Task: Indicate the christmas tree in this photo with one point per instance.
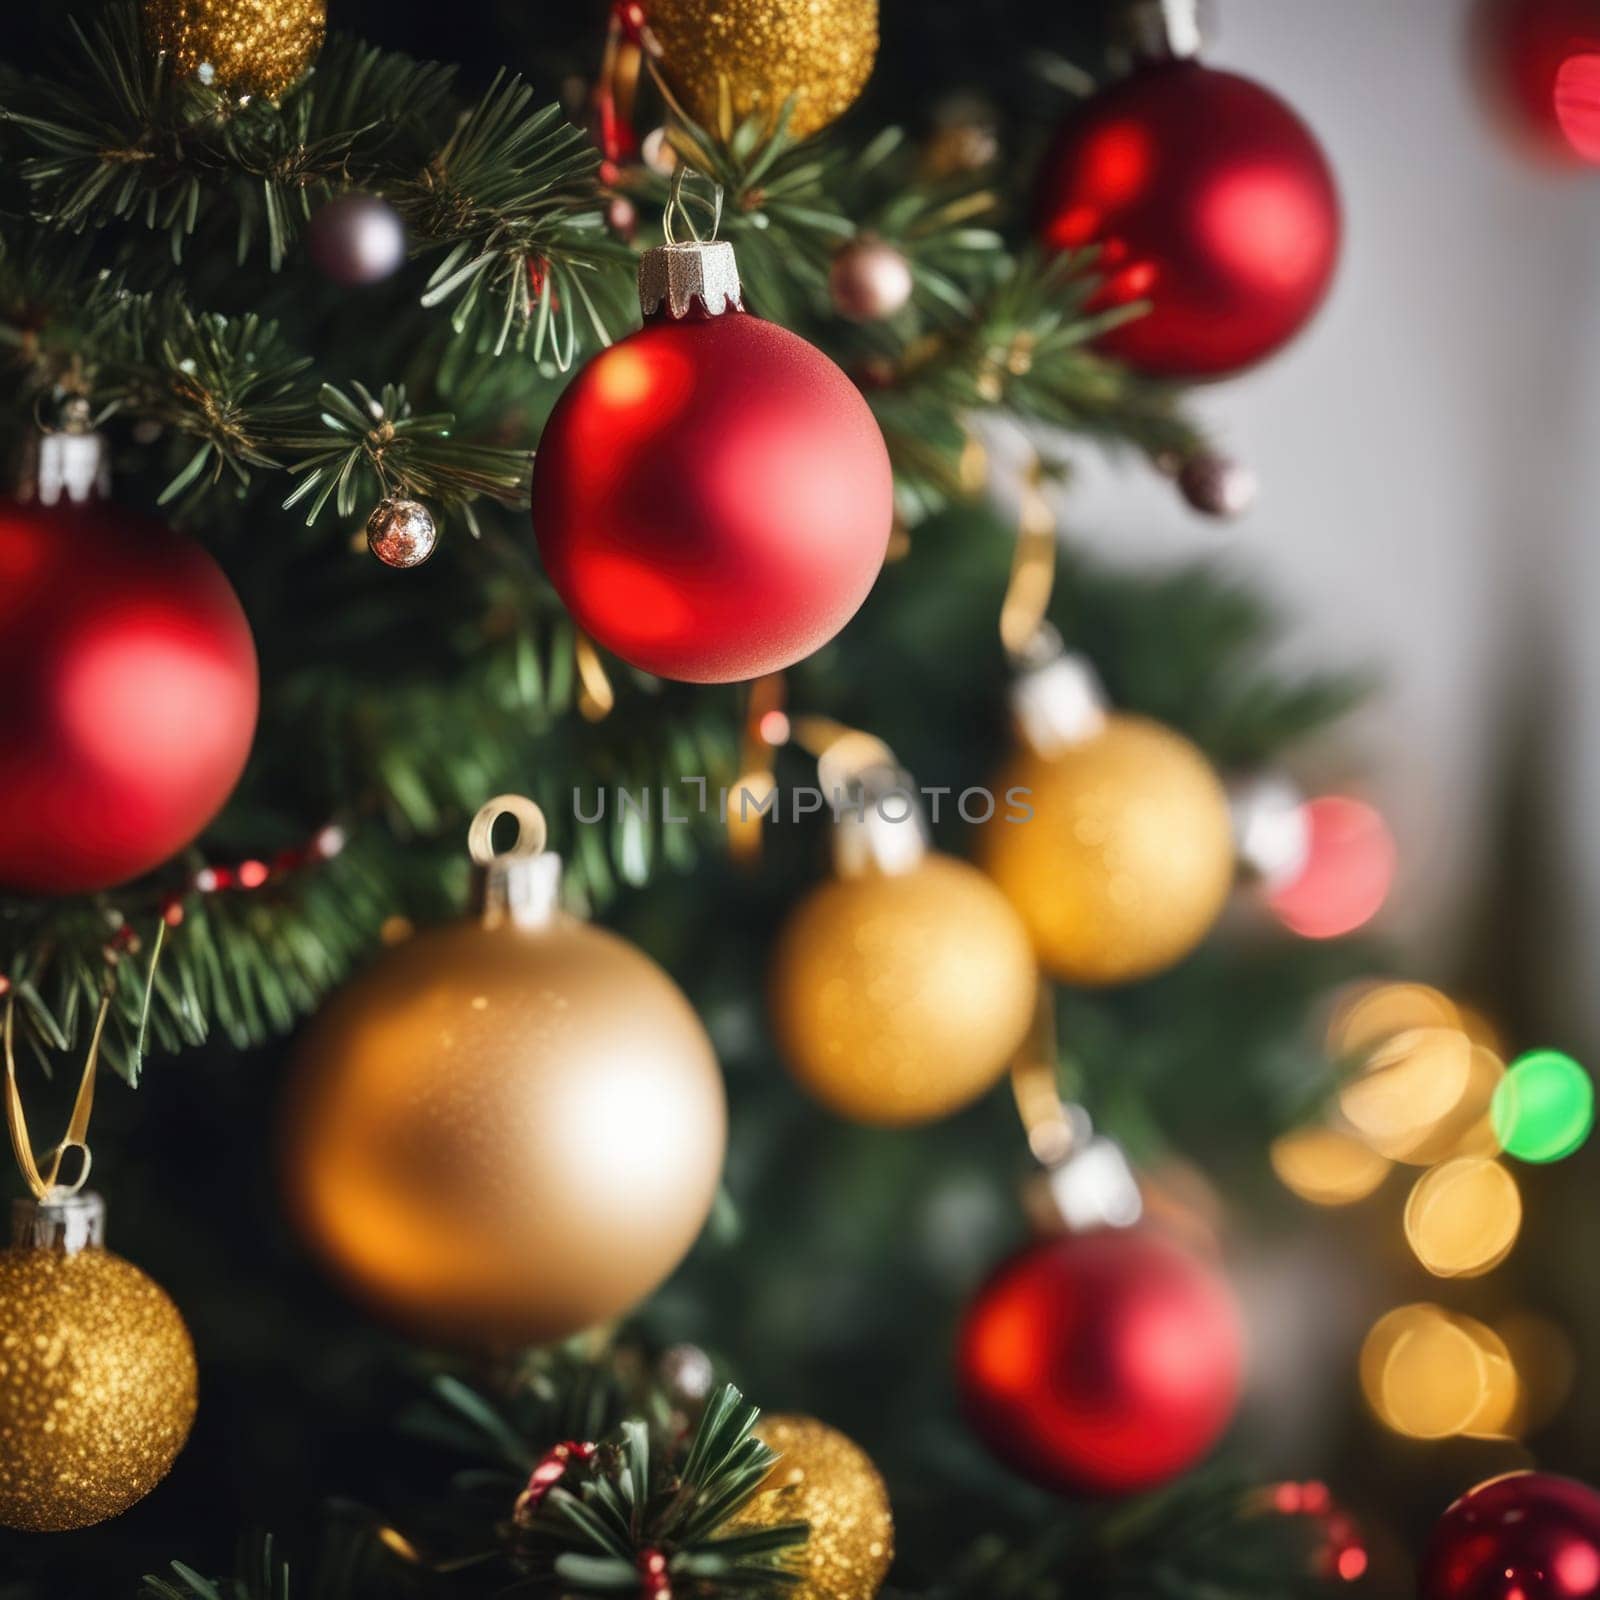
(540, 997)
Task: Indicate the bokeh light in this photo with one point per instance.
(1463, 1216)
(1430, 1374)
(1544, 1107)
(1350, 866)
(1407, 1087)
(1366, 1014)
(1327, 1166)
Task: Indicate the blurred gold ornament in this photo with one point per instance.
(1128, 857)
(728, 62)
(243, 47)
(509, 1128)
(824, 1479)
(900, 996)
(97, 1376)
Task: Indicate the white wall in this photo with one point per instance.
(1425, 449)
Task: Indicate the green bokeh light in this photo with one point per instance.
(1544, 1107)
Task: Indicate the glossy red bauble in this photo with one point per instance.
(1102, 1363)
(712, 498)
(1540, 62)
(1209, 199)
(128, 695)
(1526, 1536)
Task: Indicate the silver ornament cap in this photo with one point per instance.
(1160, 30)
(697, 276)
(62, 1220)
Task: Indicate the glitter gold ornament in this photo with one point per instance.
(728, 62)
(97, 1372)
(243, 47)
(511, 1127)
(902, 986)
(1128, 857)
(824, 1479)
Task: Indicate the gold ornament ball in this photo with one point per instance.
(504, 1133)
(97, 1387)
(243, 47)
(899, 997)
(759, 53)
(825, 1479)
(1128, 857)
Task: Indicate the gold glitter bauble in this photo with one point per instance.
(97, 1387)
(507, 1133)
(1128, 857)
(901, 996)
(243, 47)
(752, 55)
(822, 1478)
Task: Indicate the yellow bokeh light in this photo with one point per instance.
(1327, 1166)
(1408, 1087)
(1431, 1375)
(1462, 1217)
(1371, 1013)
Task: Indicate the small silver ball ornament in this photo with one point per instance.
(401, 532)
(357, 239)
(869, 280)
(1217, 485)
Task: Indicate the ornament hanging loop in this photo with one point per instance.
(45, 1180)
(520, 886)
(677, 213)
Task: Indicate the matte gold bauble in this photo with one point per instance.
(506, 1132)
(753, 55)
(824, 1479)
(1128, 857)
(97, 1387)
(244, 47)
(901, 996)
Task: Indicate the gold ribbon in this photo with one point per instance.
(1035, 1088)
(76, 1137)
(757, 757)
(1033, 566)
(596, 697)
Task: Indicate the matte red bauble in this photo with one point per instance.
(1209, 199)
(711, 496)
(129, 698)
(1540, 62)
(1102, 1363)
(1526, 1536)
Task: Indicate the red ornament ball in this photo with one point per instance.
(1524, 1536)
(1102, 1363)
(1208, 198)
(1539, 60)
(712, 498)
(130, 695)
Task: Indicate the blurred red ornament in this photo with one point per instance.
(1524, 1536)
(129, 695)
(1349, 870)
(711, 496)
(1102, 1363)
(1209, 198)
(1540, 62)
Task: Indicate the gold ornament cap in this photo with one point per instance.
(689, 277)
(61, 1221)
